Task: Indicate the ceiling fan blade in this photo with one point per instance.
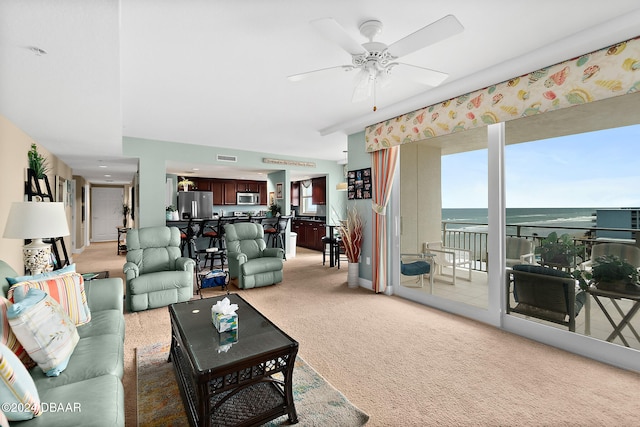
(422, 75)
(432, 33)
(333, 31)
(321, 72)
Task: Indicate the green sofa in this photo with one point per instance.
(90, 389)
(156, 272)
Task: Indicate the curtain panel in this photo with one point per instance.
(608, 72)
(383, 168)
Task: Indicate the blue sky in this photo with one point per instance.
(595, 169)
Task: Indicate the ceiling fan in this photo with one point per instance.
(375, 60)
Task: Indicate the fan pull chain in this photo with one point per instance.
(374, 95)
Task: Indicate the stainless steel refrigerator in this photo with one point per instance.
(195, 204)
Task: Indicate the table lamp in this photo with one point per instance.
(35, 221)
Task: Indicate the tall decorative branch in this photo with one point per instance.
(351, 233)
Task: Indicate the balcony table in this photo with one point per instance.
(626, 317)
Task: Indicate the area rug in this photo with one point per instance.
(317, 402)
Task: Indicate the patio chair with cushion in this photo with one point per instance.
(417, 265)
(544, 293)
(625, 252)
(444, 256)
(519, 251)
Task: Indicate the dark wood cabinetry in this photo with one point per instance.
(230, 191)
(310, 233)
(262, 189)
(247, 186)
(318, 190)
(225, 190)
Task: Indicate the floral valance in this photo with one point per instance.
(606, 73)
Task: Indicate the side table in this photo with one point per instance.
(122, 244)
(614, 296)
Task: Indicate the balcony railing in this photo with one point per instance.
(476, 240)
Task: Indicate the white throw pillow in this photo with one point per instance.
(45, 331)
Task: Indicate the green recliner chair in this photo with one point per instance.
(156, 272)
(249, 260)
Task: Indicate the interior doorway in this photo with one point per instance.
(106, 213)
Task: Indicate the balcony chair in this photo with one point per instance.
(249, 259)
(416, 265)
(156, 273)
(545, 293)
(519, 251)
(625, 252)
(444, 256)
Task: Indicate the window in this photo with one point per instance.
(308, 208)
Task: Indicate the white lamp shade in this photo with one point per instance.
(36, 220)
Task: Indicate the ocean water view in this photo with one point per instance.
(536, 219)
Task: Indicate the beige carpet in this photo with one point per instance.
(406, 364)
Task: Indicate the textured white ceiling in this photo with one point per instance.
(214, 72)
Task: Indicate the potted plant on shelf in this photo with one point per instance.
(185, 183)
(37, 162)
(559, 251)
(172, 213)
(275, 210)
(351, 234)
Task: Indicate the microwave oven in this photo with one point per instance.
(248, 199)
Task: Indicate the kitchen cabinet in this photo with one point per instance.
(225, 190)
(262, 189)
(218, 192)
(309, 232)
(247, 186)
(318, 190)
(202, 184)
(229, 192)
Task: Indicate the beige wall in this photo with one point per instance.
(14, 146)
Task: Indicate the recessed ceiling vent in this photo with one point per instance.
(224, 158)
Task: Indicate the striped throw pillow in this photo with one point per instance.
(8, 338)
(17, 388)
(67, 289)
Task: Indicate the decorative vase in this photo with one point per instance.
(353, 269)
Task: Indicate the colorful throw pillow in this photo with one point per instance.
(17, 390)
(46, 275)
(67, 289)
(8, 338)
(45, 331)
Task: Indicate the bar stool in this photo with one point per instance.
(333, 244)
(283, 223)
(270, 227)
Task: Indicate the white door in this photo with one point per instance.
(106, 213)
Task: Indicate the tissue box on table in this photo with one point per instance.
(223, 315)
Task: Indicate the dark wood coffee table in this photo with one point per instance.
(227, 383)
